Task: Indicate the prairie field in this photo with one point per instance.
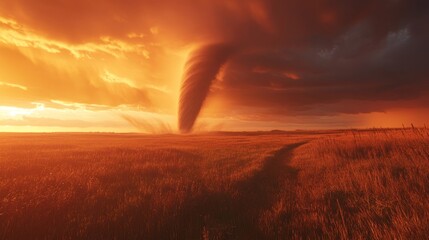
(345, 184)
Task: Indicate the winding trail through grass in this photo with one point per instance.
(238, 218)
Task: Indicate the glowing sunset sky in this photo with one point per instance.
(117, 65)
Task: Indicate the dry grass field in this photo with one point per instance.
(296, 185)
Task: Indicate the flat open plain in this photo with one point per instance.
(266, 185)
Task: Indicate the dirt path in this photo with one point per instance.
(238, 218)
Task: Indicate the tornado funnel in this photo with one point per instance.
(201, 69)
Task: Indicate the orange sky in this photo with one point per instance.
(117, 65)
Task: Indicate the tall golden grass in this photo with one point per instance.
(340, 184)
(359, 185)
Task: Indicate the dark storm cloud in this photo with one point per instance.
(375, 53)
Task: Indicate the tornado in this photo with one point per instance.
(201, 70)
